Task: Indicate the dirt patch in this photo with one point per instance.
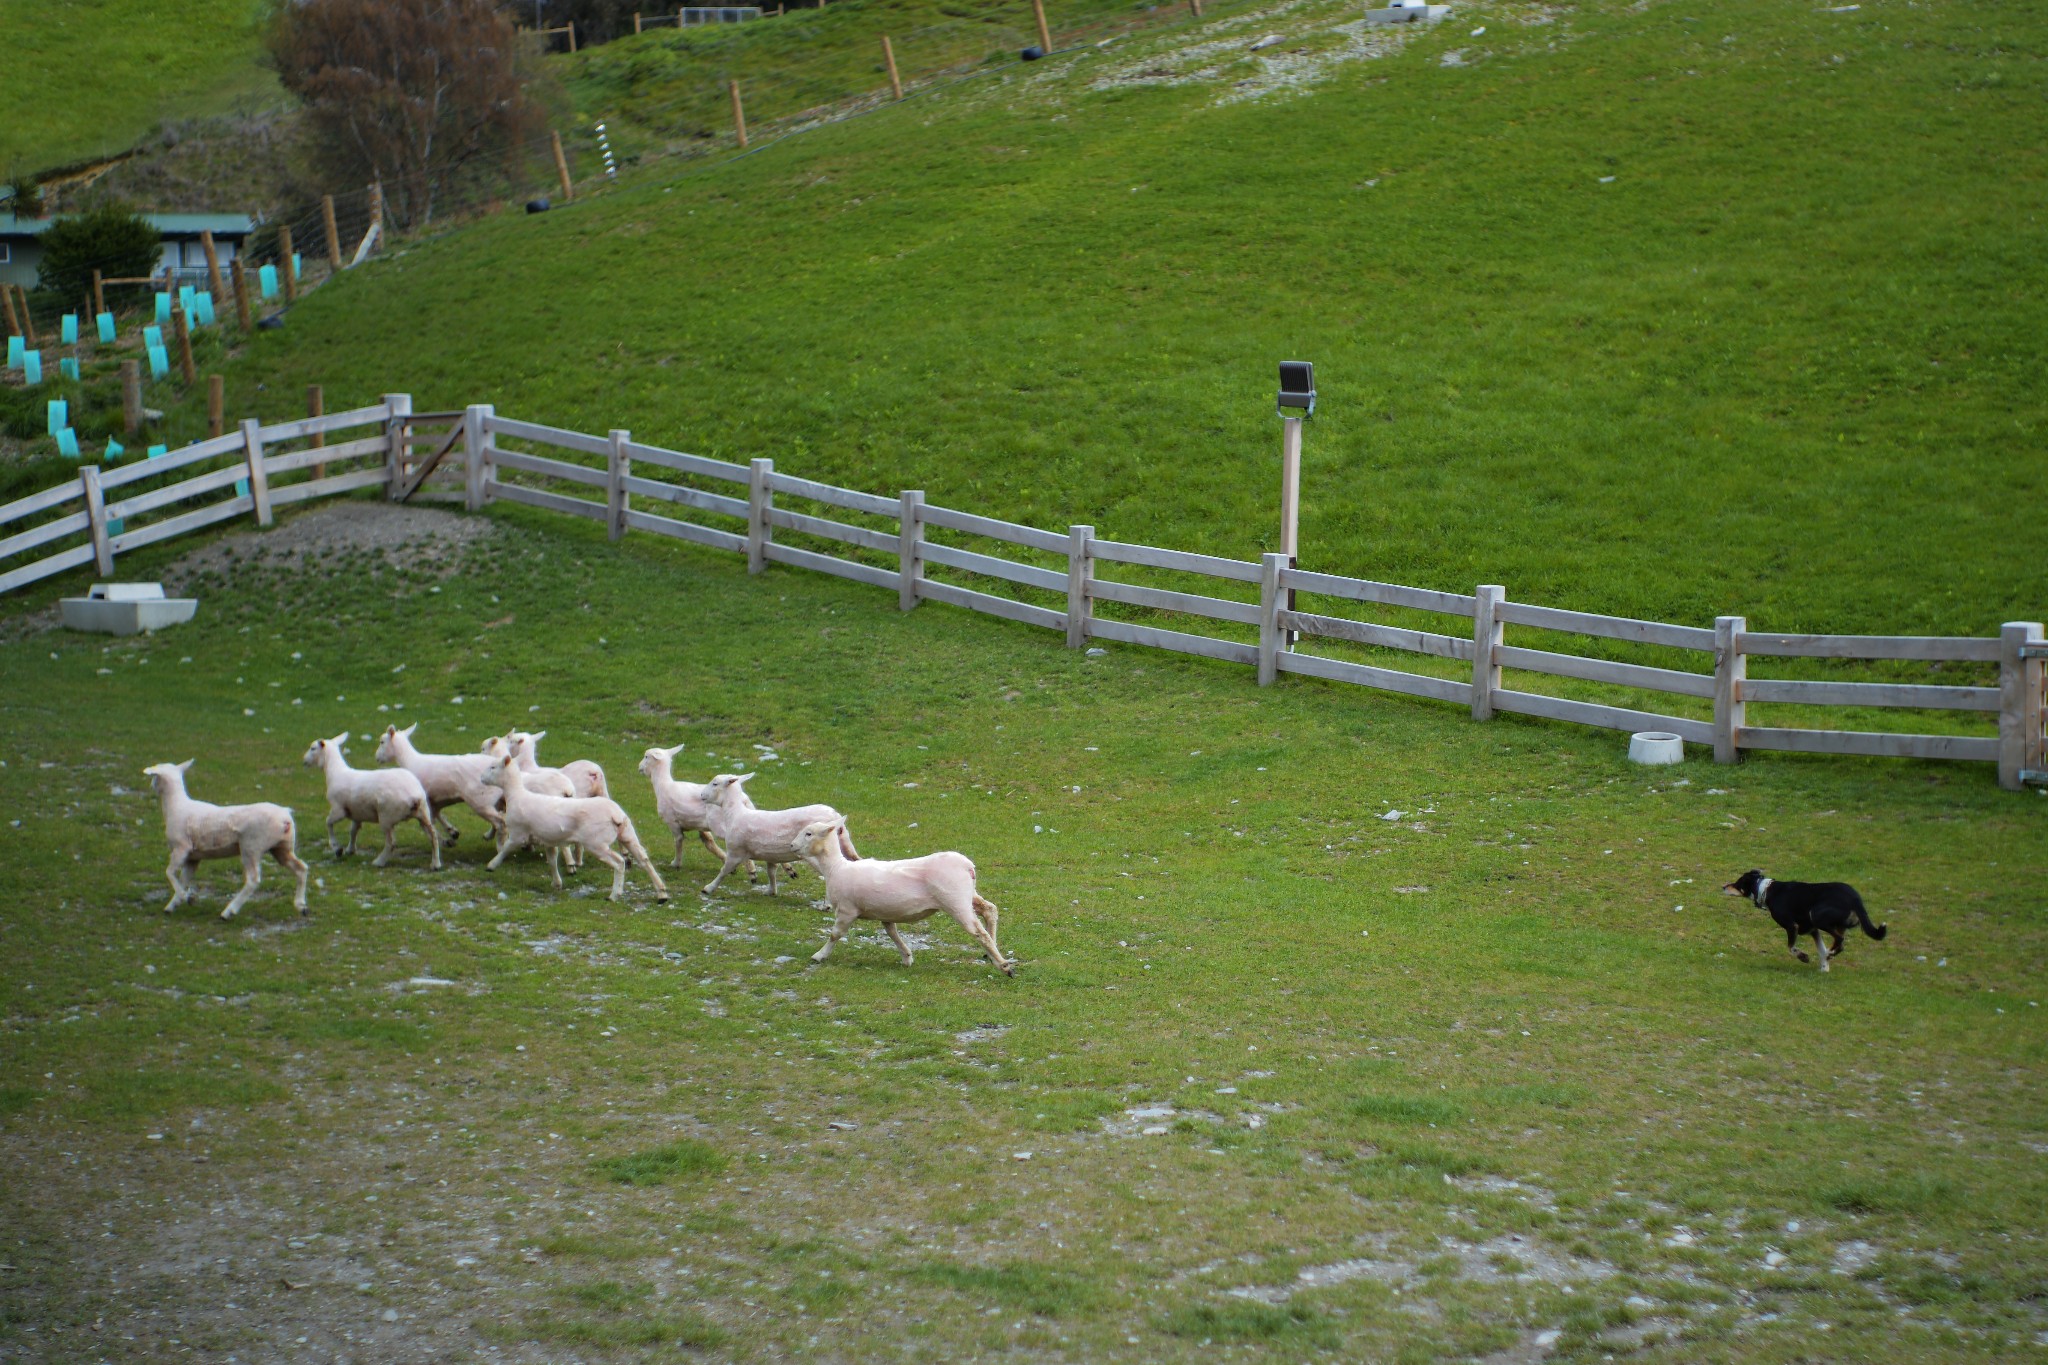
(406, 538)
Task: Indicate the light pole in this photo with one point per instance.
(1297, 404)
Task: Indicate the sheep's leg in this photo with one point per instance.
(846, 915)
(638, 852)
(333, 844)
(448, 831)
(296, 865)
(771, 879)
(252, 873)
(555, 864)
(355, 827)
(612, 859)
(506, 848)
(390, 844)
(732, 861)
(433, 837)
(968, 919)
(711, 843)
(989, 913)
(677, 861)
(897, 938)
(179, 890)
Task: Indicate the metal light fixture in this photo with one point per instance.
(1297, 388)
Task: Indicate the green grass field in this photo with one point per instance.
(1506, 1065)
(1283, 1074)
(87, 78)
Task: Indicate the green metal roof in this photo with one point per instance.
(168, 224)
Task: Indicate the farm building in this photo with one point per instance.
(182, 257)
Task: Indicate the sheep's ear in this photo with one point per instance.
(407, 731)
(339, 739)
(747, 777)
(186, 764)
(537, 736)
(678, 749)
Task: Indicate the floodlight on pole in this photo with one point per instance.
(1297, 402)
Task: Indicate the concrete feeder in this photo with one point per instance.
(127, 609)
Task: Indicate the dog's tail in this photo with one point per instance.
(1876, 931)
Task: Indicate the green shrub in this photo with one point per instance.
(113, 240)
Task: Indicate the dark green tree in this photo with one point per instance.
(113, 240)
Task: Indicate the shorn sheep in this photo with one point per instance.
(682, 805)
(768, 836)
(449, 779)
(385, 797)
(592, 823)
(898, 892)
(585, 777)
(198, 830)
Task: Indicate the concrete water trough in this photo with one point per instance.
(127, 609)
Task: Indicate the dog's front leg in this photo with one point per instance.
(1792, 945)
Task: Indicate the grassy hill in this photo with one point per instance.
(1346, 1027)
(88, 78)
(1630, 309)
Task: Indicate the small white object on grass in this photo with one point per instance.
(1655, 747)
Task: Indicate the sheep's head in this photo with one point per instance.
(526, 744)
(494, 775)
(728, 789)
(819, 838)
(387, 743)
(316, 752)
(165, 777)
(655, 762)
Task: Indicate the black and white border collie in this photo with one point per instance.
(1802, 908)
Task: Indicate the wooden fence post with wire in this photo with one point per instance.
(562, 168)
(739, 112)
(214, 405)
(183, 328)
(241, 294)
(889, 56)
(333, 232)
(213, 279)
(287, 262)
(1044, 33)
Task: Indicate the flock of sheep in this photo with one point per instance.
(568, 812)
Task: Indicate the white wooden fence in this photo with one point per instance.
(638, 487)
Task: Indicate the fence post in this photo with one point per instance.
(760, 498)
(316, 405)
(909, 548)
(212, 263)
(618, 468)
(1044, 34)
(398, 428)
(1272, 639)
(131, 396)
(1487, 631)
(241, 275)
(562, 169)
(99, 292)
(1731, 670)
(285, 263)
(259, 483)
(216, 407)
(96, 519)
(889, 55)
(1080, 584)
(2019, 702)
(476, 456)
(183, 328)
(14, 327)
(333, 233)
(739, 113)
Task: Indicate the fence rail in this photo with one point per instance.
(258, 468)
